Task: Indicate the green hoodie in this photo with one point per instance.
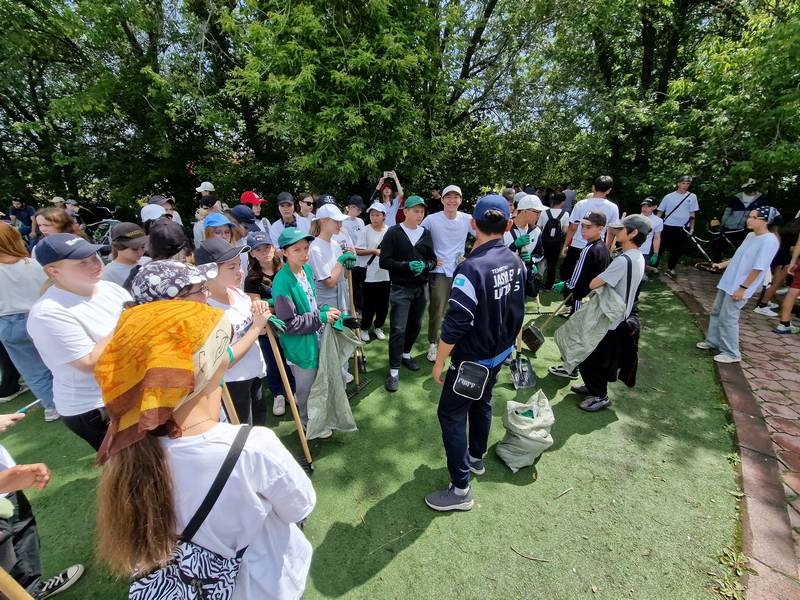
(300, 342)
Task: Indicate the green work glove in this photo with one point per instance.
(277, 324)
(416, 266)
(653, 259)
(526, 258)
(522, 240)
(559, 287)
(534, 270)
(347, 257)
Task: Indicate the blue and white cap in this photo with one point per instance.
(64, 246)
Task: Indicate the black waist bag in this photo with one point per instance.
(471, 380)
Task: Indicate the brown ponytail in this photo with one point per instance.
(135, 513)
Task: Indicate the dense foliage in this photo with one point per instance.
(111, 101)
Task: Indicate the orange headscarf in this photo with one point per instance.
(161, 355)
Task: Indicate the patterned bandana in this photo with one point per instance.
(164, 279)
(161, 356)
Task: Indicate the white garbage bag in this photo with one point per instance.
(527, 431)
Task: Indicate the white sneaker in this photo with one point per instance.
(432, 353)
(379, 334)
(51, 414)
(726, 359)
(325, 434)
(704, 345)
(365, 336)
(348, 378)
(279, 405)
(782, 291)
(765, 310)
(772, 305)
(22, 389)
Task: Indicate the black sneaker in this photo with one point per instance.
(392, 384)
(59, 583)
(579, 389)
(410, 364)
(560, 371)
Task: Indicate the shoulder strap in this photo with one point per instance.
(629, 281)
(549, 215)
(219, 483)
(669, 214)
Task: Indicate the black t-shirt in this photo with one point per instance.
(262, 287)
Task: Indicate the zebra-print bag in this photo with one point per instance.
(194, 572)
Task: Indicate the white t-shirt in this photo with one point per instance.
(265, 495)
(368, 238)
(240, 314)
(755, 253)
(583, 208)
(116, 272)
(20, 283)
(415, 234)
(276, 229)
(680, 214)
(558, 213)
(65, 327)
(449, 236)
(391, 211)
(322, 256)
(532, 232)
(351, 226)
(658, 227)
(616, 277)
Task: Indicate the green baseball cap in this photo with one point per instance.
(412, 201)
(292, 235)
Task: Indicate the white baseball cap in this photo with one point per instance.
(151, 212)
(530, 202)
(452, 188)
(379, 206)
(206, 186)
(329, 211)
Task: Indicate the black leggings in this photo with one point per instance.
(673, 240)
(248, 400)
(551, 254)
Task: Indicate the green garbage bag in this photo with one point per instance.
(527, 431)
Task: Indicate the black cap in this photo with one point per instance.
(167, 238)
(324, 199)
(356, 200)
(244, 214)
(217, 250)
(130, 234)
(285, 198)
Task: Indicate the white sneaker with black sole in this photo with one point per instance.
(61, 582)
(379, 335)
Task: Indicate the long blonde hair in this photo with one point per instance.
(136, 524)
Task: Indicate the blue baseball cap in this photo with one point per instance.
(491, 202)
(258, 238)
(216, 220)
(62, 246)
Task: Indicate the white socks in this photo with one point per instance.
(460, 492)
(406, 355)
(394, 372)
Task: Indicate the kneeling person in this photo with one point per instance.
(487, 306)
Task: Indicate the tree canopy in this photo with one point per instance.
(114, 101)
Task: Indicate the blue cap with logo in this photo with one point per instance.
(258, 238)
(216, 220)
(63, 246)
(491, 202)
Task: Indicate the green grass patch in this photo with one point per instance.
(647, 513)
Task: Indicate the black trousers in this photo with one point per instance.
(720, 248)
(569, 262)
(407, 307)
(551, 256)
(376, 304)
(359, 274)
(19, 544)
(456, 413)
(601, 366)
(9, 376)
(248, 400)
(91, 426)
(673, 240)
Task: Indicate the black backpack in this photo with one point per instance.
(552, 234)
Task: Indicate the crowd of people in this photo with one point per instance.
(133, 354)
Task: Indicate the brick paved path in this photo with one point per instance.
(771, 367)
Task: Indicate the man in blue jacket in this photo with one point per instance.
(486, 309)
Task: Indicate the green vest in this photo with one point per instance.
(301, 350)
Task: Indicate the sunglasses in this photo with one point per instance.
(307, 203)
(203, 290)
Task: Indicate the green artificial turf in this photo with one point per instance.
(631, 502)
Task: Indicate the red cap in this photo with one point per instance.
(251, 198)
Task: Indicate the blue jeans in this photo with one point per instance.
(18, 344)
(723, 324)
(274, 381)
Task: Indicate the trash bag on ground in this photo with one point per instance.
(527, 431)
